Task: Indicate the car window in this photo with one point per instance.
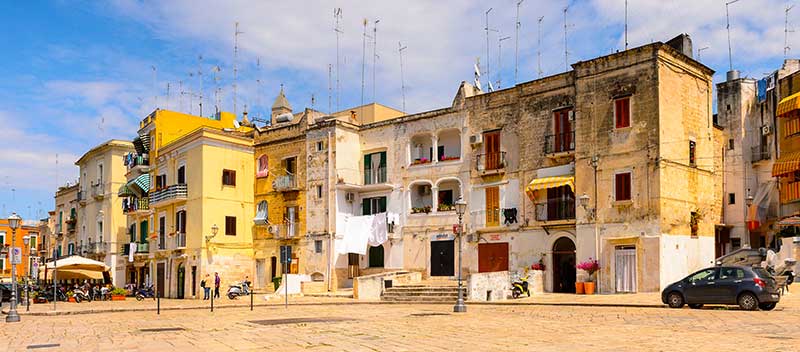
(704, 275)
(731, 273)
(761, 272)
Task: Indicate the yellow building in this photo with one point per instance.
(175, 193)
(65, 219)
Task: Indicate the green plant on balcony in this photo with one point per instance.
(446, 207)
(426, 209)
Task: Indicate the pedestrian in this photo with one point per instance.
(216, 284)
(206, 287)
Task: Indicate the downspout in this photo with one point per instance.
(327, 212)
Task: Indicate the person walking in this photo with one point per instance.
(206, 288)
(216, 284)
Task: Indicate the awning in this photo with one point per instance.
(789, 162)
(549, 182)
(77, 262)
(142, 182)
(125, 191)
(788, 104)
(790, 221)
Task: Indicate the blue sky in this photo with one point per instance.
(78, 73)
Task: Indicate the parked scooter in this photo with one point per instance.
(80, 295)
(236, 290)
(101, 293)
(47, 293)
(520, 287)
(147, 292)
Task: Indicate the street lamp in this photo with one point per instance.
(27, 240)
(214, 230)
(748, 201)
(13, 222)
(591, 213)
(461, 208)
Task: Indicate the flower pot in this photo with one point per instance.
(588, 287)
(72, 299)
(117, 297)
(579, 288)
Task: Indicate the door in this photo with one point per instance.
(564, 265)
(181, 280)
(160, 279)
(194, 281)
(273, 267)
(491, 142)
(562, 128)
(442, 258)
(352, 265)
(492, 257)
(261, 272)
(625, 269)
(700, 286)
(492, 206)
(727, 285)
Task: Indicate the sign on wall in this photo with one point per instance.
(16, 257)
(443, 237)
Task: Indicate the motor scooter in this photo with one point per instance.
(147, 292)
(236, 290)
(80, 295)
(520, 287)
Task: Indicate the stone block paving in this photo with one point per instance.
(342, 326)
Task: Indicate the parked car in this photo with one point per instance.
(749, 287)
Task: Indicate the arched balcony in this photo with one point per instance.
(421, 149)
(448, 145)
(447, 192)
(421, 194)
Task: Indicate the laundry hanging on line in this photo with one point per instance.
(354, 233)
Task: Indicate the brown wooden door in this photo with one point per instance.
(562, 128)
(491, 142)
(492, 257)
(492, 206)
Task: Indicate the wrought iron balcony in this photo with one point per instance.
(143, 247)
(375, 176)
(556, 209)
(97, 248)
(286, 230)
(490, 161)
(98, 190)
(169, 194)
(559, 143)
(760, 153)
(134, 160)
(285, 183)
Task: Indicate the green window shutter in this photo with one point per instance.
(143, 232)
(381, 205)
(367, 168)
(383, 160)
(365, 206)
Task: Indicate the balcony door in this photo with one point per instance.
(560, 203)
(375, 168)
(492, 206)
(491, 145)
(562, 127)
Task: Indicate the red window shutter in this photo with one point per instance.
(622, 112)
(622, 186)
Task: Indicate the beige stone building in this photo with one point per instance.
(65, 220)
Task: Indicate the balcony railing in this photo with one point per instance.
(133, 204)
(760, 152)
(490, 161)
(556, 209)
(180, 240)
(285, 230)
(82, 196)
(133, 160)
(375, 176)
(98, 189)
(171, 193)
(792, 192)
(97, 248)
(559, 142)
(143, 247)
(284, 183)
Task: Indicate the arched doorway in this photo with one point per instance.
(564, 265)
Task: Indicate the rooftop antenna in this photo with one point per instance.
(330, 88)
(375, 56)
(235, 59)
(516, 45)
(216, 69)
(258, 85)
(728, 27)
(337, 16)
(699, 51)
(155, 89)
(478, 73)
(189, 94)
(539, 47)
(499, 59)
(168, 96)
(402, 79)
(363, 59)
(200, 79)
(566, 53)
(786, 31)
(180, 96)
(487, 29)
(626, 24)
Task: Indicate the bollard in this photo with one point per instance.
(251, 300)
(158, 304)
(212, 303)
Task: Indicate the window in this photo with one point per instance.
(161, 181)
(228, 178)
(491, 146)
(70, 249)
(492, 206)
(319, 191)
(692, 153)
(731, 198)
(375, 205)
(320, 146)
(694, 223)
(375, 257)
(375, 168)
(263, 166)
(622, 112)
(132, 233)
(100, 227)
(290, 164)
(33, 242)
(230, 226)
(162, 232)
(58, 252)
(143, 231)
(318, 246)
(622, 189)
(730, 144)
(100, 173)
(180, 221)
(261, 213)
(182, 175)
(736, 243)
(705, 275)
(562, 128)
(446, 197)
(731, 274)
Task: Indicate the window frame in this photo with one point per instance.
(317, 246)
(618, 123)
(229, 176)
(731, 198)
(230, 230)
(162, 231)
(692, 153)
(181, 169)
(319, 191)
(262, 166)
(629, 188)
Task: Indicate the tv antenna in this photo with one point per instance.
(728, 27)
(487, 29)
(200, 79)
(699, 51)
(402, 79)
(626, 24)
(500, 59)
(375, 56)
(363, 59)
(539, 48)
(235, 59)
(337, 16)
(786, 31)
(258, 86)
(516, 45)
(330, 88)
(180, 96)
(155, 88)
(216, 70)
(168, 96)
(566, 53)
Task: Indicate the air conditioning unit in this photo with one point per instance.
(571, 115)
(766, 130)
(476, 139)
(273, 229)
(349, 196)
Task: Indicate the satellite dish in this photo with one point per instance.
(236, 124)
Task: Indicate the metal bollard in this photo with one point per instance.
(212, 302)
(158, 304)
(251, 300)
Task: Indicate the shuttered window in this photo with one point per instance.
(228, 178)
(230, 226)
(622, 189)
(493, 206)
(622, 112)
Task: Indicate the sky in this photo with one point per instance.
(76, 74)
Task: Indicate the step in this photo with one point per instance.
(418, 294)
(419, 299)
(423, 289)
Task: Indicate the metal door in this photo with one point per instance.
(492, 257)
(625, 268)
(442, 258)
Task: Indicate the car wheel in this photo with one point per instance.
(748, 301)
(767, 306)
(695, 305)
(675, 300)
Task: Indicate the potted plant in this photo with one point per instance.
(70, 296)
(590, 267)
(118, 294)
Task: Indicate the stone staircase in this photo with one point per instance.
(425, 292)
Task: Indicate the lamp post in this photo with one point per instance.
(461, 207)
(591, 213)
(214, 230)
(748, 201)
(13, 222)
(27, 240)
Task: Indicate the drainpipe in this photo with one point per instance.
(596, 234)
(327, 212)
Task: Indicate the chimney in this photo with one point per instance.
(682, 43)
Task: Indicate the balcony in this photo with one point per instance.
(375, 176)
(285, 183)
(169, 194)
(760, 153)
(97, 248)
(135, 205)
(137, 162)
(71, 222)
(559, 143)
(98, 190)
(792, 192)
(180, 240)
(556, 209)
(142, 248)
(82, 197)
(286, 230)
(490, 162)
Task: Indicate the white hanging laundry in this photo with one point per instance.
(131, 251)
(357, 235)
(378, 233)
(339, 244)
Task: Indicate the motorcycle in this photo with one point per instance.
(48, 294)
(101, 293)
(237, 290)
(80, 295)
(147, 292)
(520, 287)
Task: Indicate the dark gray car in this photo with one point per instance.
(749, 287)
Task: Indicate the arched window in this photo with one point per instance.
(261, 213)
(263, 166)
